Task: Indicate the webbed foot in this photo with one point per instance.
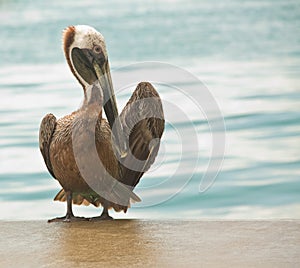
(102, 218)
(68, 218)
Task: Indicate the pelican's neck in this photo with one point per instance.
(93, 97)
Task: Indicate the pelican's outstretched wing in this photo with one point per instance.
(143, 124)
(47, 129)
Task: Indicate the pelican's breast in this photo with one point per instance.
(62, 156)
(64, 144)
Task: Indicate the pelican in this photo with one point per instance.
(126, 145)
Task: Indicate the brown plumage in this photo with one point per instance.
(67, 144)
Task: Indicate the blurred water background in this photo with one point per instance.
(246, 52)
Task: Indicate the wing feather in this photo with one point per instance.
(47, 129)
(143, 124)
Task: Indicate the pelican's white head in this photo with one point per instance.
(87, 37)
(83, 47)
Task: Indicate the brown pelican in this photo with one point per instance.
(126, 153)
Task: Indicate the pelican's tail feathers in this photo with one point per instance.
(77, 199)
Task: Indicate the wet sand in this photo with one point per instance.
(138, 243)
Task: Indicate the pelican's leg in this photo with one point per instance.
(104, 216)
(69, 216)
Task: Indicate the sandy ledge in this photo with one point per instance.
(141, 243)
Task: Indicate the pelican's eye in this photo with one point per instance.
(97, 49)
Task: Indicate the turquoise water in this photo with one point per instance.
(247, 53)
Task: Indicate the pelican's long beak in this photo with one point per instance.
(92, 68)
(110, 106)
